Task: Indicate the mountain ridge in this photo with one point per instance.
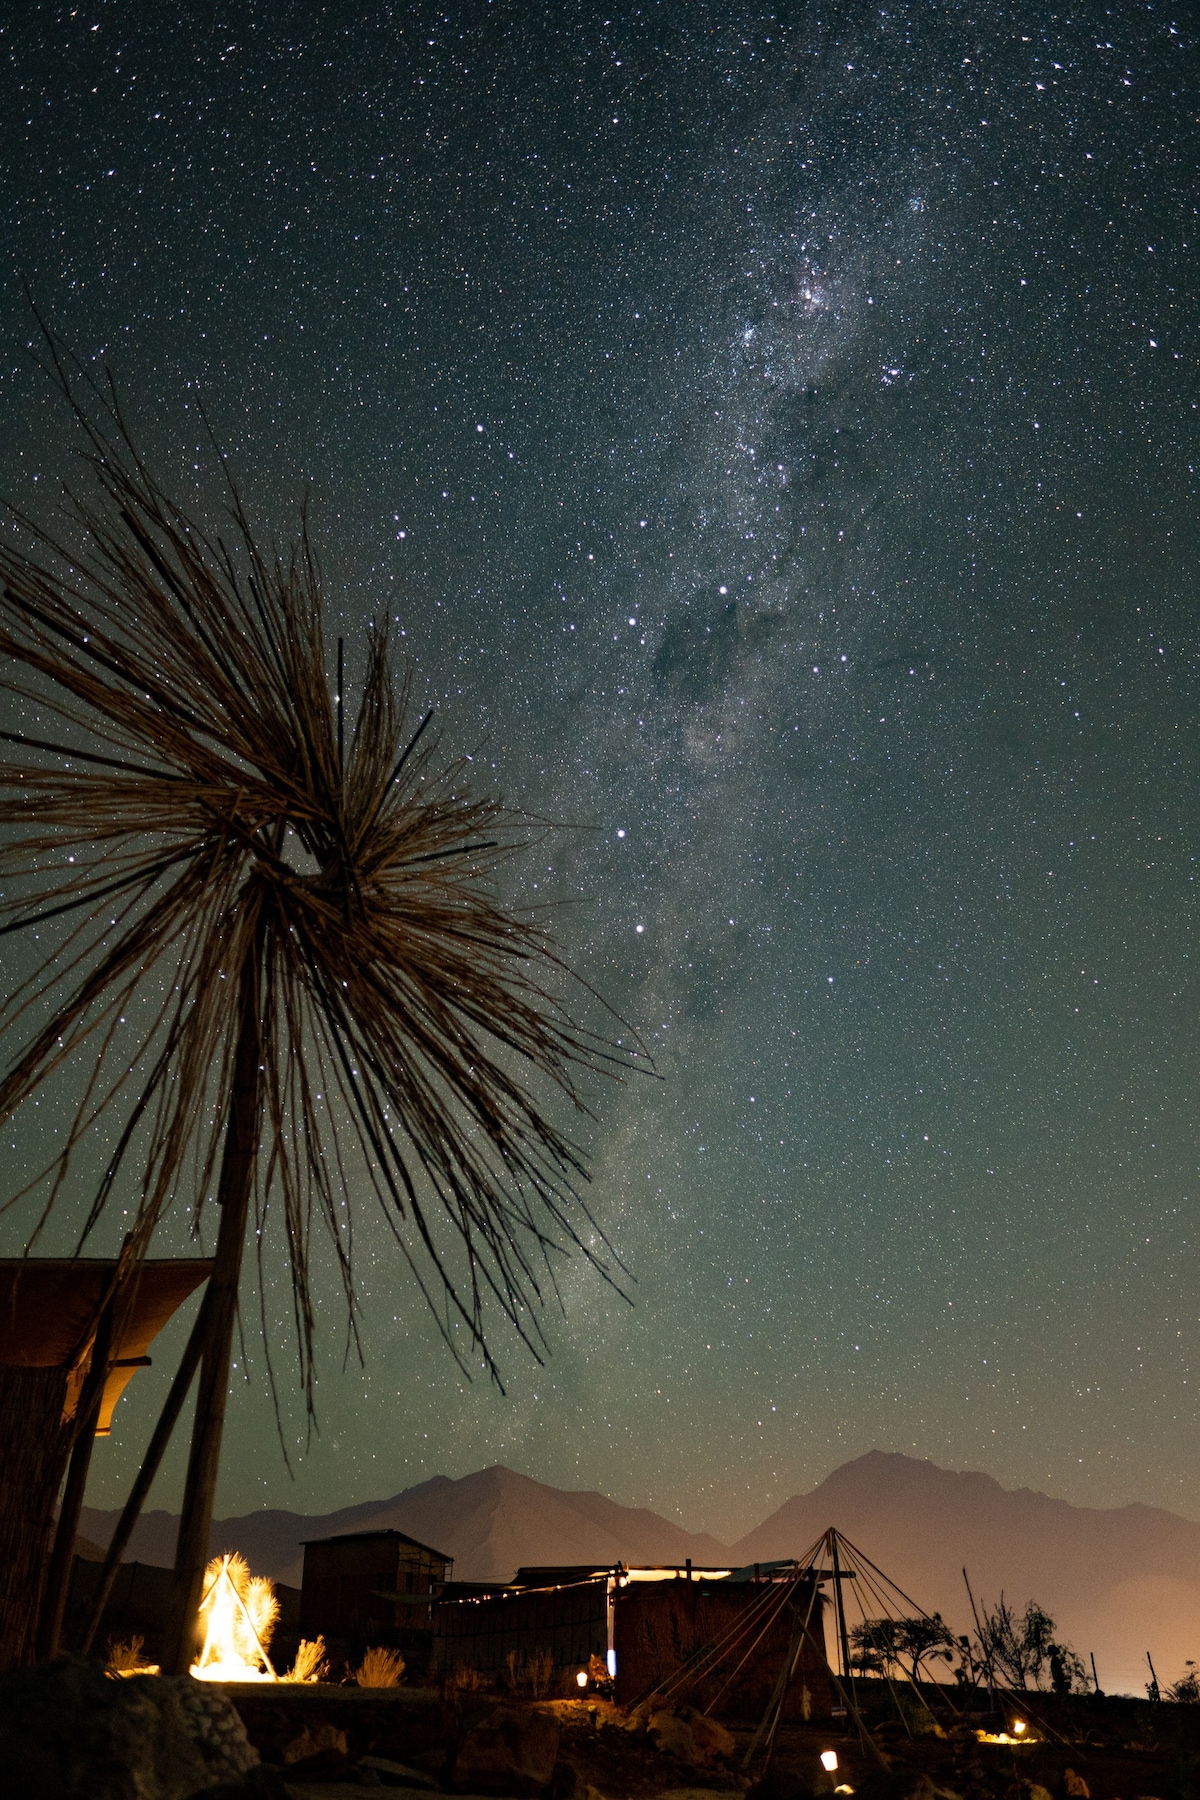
(1110, 1576)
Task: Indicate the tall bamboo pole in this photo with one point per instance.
(58, 1578)
(172, 1407)
(233, 1196)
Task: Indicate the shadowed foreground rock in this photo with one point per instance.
(68, 1731)
(510, 1752)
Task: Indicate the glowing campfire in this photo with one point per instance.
(238, 1612)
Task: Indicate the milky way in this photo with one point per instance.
(774, 433)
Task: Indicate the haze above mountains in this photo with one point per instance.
(1118, 1581)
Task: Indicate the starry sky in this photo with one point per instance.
(775, 431)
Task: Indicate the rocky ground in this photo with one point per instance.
(70, 1732)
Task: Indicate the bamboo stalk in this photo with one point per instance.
(155, 1451)
(233, 1197)
(58, 1578)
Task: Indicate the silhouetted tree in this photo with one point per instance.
(270, 948)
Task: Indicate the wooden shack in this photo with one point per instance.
(372, 1587)
(646, 1624)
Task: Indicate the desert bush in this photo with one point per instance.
(125, 1658)
(533, 1675)
(310, 1663)
(380, 1668)
(882, 1646)
(1187, 1688)
(463, 1680)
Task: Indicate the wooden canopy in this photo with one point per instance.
(50, 1308)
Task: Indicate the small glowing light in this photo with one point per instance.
(612, 1665)
(829, 1760)
(581, 1678)
(640, 929)
(1019, 1726)
(845, 1788)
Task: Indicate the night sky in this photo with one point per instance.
(775, 432)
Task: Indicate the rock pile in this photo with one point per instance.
(69, 1731)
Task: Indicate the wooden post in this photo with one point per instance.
(58, 1579)
(233, 1196)
(34, 1445)
(155, 1450)
(843, 1641)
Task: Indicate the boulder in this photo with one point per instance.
(398, 1774)
(711, 1736)
(68, 1731)
(511, 1751)
(690, 1736)
(673, 1736)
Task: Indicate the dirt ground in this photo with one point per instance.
(1112, 1750)
(1114, 1759)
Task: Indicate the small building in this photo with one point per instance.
(370, 1587)
(646, 1623)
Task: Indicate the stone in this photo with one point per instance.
(70, 1731)
(215, 1727)
(317, 1741)
(711, 1736)
(673, 1736)
(512, 1751)
(396, 1774)
(262, 1782)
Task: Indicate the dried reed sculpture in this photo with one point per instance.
(272, 955)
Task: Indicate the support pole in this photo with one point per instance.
(155, 1451)
(843, 1640)
(62, 1557)
(233, 1196)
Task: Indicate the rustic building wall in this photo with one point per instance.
(659, 1625)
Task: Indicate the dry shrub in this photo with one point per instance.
(315, 1740)
(126, 1658)
(533, 1675)
(380, 1668)
(310, 1663)
(465, 1681)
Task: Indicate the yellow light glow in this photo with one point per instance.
(829, 1760)
(1024, 1736)
(238, 1612)
(581, 1678)
(1019, 1726)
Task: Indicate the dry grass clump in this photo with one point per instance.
(533, 1675)
(310, 1663)
(122, 1658)
(463, 1680)
(380, 1668)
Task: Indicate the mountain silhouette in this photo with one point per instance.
(1118, 1581)
(490, 1523)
